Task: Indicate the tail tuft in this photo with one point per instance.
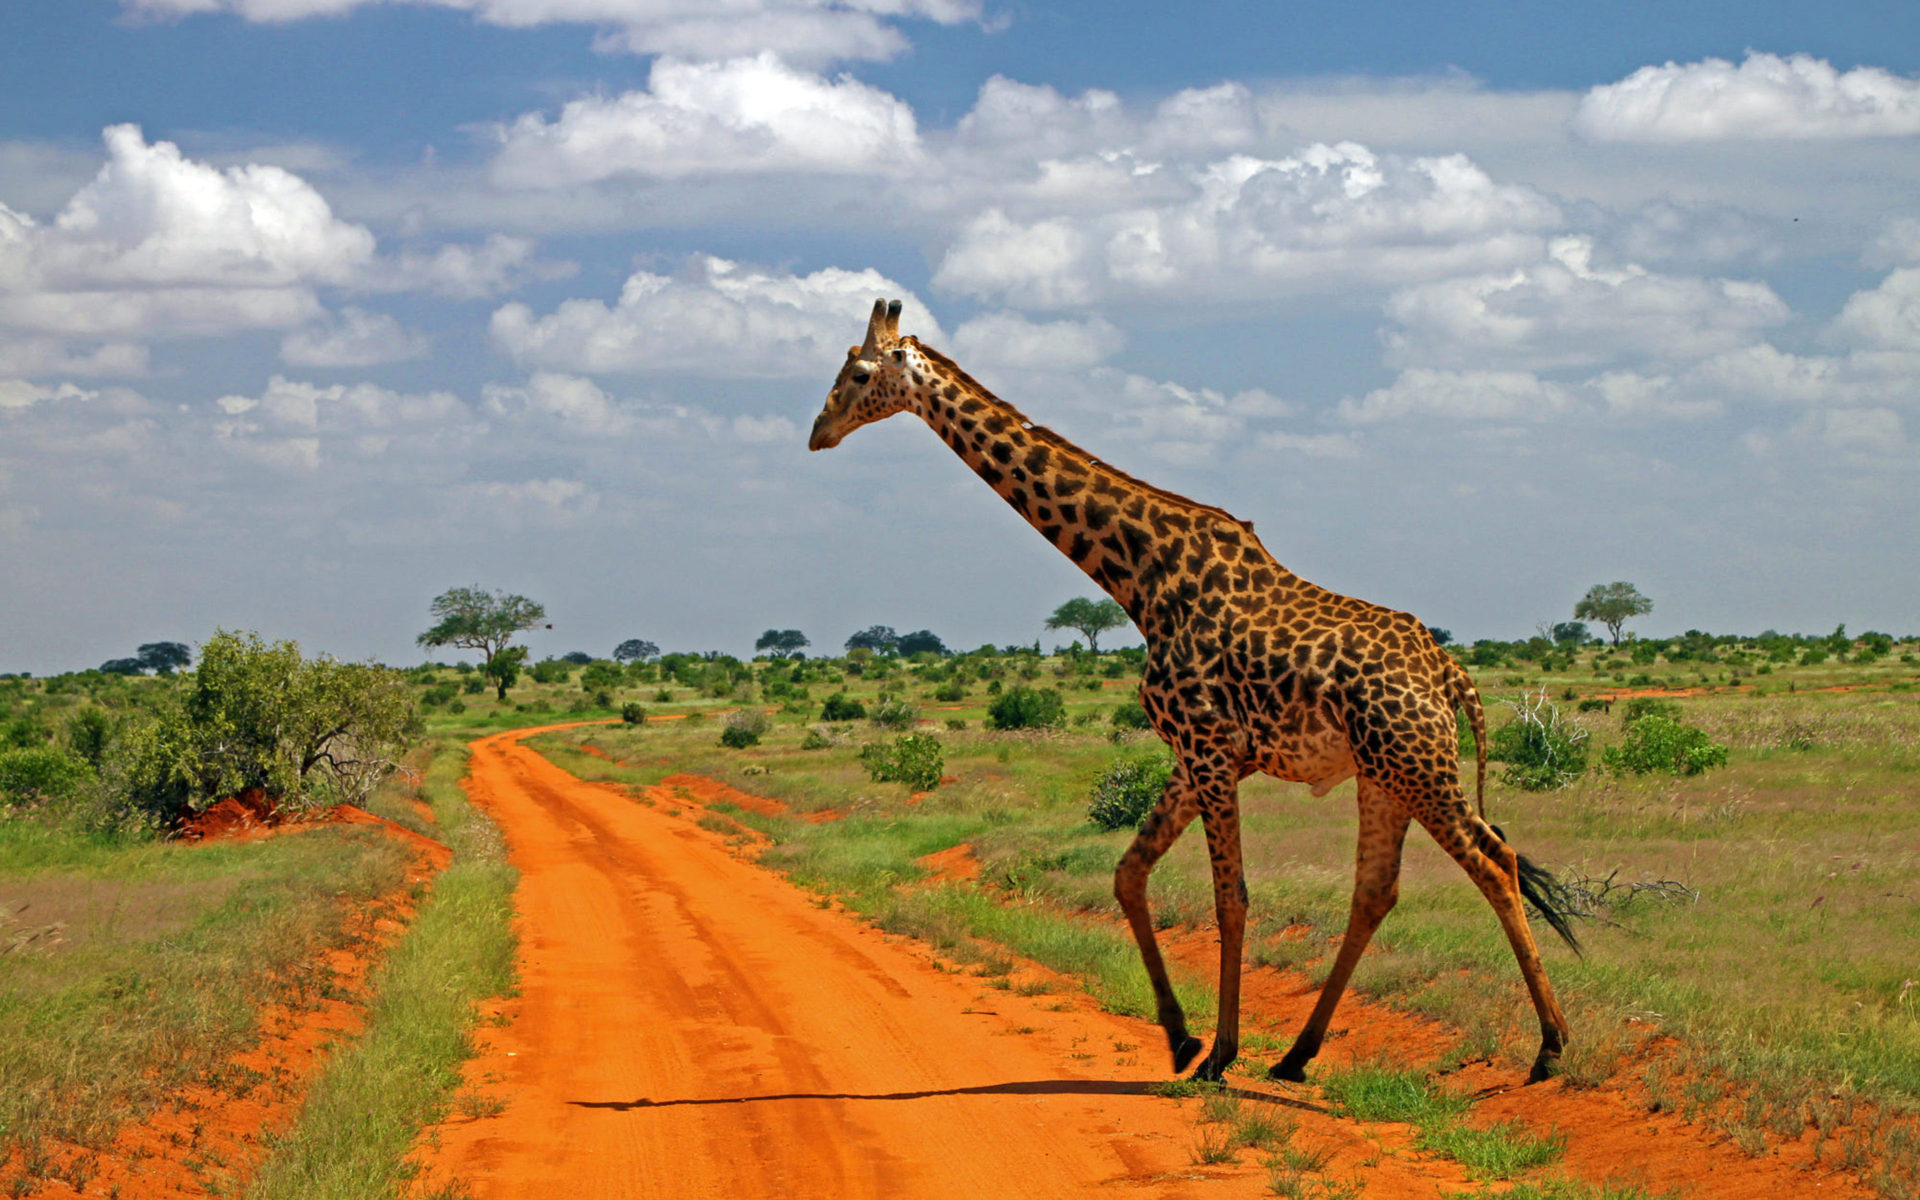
(1549, 899)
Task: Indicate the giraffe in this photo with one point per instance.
(1249, 668)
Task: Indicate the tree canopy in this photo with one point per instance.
(635, 650)
(476, 619)
(881, 639)
(782, 642)
(1613, 605)
(165, 658)
(1090, 617)
(919, 640)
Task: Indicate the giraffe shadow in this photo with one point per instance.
(1029, 1087)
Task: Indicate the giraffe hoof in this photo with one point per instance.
(1289, 1071)
(1183, 1053)
(1210, 1070)
(1544, 1068)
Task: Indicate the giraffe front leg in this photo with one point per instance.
(1220, 816)
(1376, 888)
(1162, 827)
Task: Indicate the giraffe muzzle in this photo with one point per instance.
(822, 438)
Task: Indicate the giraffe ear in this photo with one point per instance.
(876, 330)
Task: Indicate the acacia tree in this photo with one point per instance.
(635, 650)
(476, 619)
(880, 639)
(1613, 605)
(164, 658)
(1091, 617)
(782, 642)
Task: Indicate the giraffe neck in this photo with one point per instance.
(1136, 541)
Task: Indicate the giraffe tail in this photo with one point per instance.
(1467, 697)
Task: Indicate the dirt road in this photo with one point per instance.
(690, 1025)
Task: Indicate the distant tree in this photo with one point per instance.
(1570, 633)
(488, 622)
(1441, 637)
(165, 658)
(881, 639)
(635, 650)
(124, 666)
(782, 642)
(918, 640)
(1613, 605)
(1091, 617)
(578, 658)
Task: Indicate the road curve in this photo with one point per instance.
(691, 1025)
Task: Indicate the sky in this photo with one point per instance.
(312, 309)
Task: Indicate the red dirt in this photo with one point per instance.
(691, 1025)
(955, 864)
(210, 1135)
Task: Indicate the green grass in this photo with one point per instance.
(364, 1111)
(1373, 1092)
(164, 954)
(1498, 1151)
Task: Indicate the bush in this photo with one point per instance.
(744, 729)
(633, 713)
(437, 695)
(841, 707)
(1659, 743)
(1127, 791)
(1130, 715)
(32, 774)
(1541, 751)
(1648, 706)
(894, 713)
(474, 684)
(815, 740)
(914, 759)
(951, 692)
(1027, 708)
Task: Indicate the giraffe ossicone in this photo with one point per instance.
(1249, 669)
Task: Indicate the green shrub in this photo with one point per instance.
(1130, 714)
(744, 729)
(815, 740)
(894, 713)
(35, 773)
(951, 692)
(841, 707)
(1541, 751)
(1127, 791)
(1648, 706)
(633, 713)
(437, 695)
(457, 707)
(1658, 743)
(474, 684)
(1027, 708)
(1592, 704)
(914, 759)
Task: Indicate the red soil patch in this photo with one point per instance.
(249, 815)
(955, 864)
(705, 792)
(208, 1137)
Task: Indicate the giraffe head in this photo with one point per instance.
(869, 387)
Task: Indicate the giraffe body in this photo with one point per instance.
(1249, 669)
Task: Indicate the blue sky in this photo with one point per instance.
(312, 308)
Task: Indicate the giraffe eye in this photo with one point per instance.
(861, 376)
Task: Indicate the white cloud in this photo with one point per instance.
(1766, 96)
(19, 393)
(577, 404)
(1886, 318)
(747, 115)
(356, 338)
(716, 318)
(25, 356)
(1009, 340)
(811, 30)
(1251, 226)
(159, 244)
(1566, 311)
(294, 425)
(1462, 395)
(463, 272)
